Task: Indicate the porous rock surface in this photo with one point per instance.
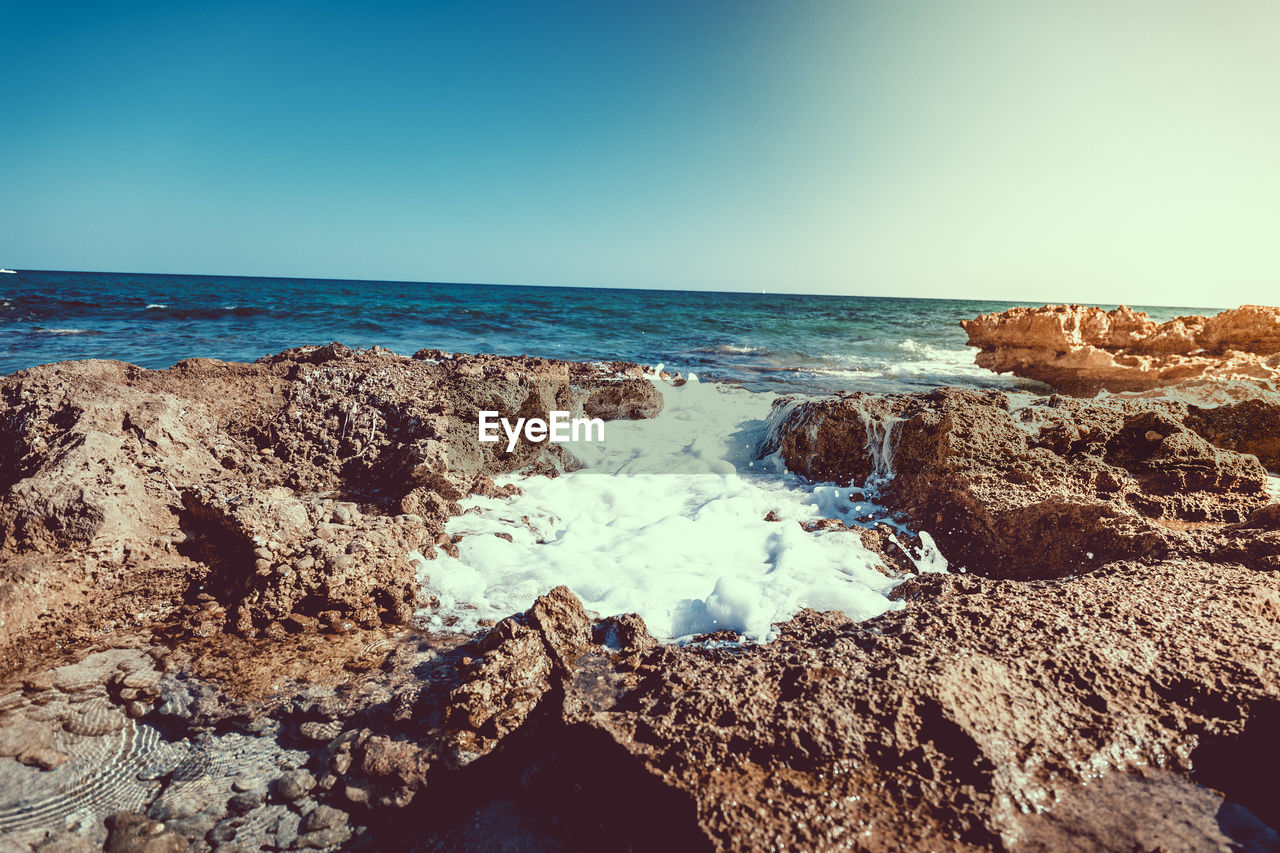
(1081, 349)
(1055, 486)
(1101, 713)
(286, 494)
(1122, 701)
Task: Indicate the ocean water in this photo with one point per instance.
(762, 341)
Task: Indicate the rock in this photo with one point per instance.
(323, 838)
(627, 399)
(244, 784)
(1000, 488)
(295, 784)
(286, 835)
(245, 801)
(1248, 426)
(561, 620)
(21, 736)
(1081, 350)
(133, 833)
(323, 817)
(43, 757)
(320, 731)
(222, 832)
(116, 497)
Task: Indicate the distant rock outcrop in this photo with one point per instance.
(1082, 350)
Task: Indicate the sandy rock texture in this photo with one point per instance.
(1098, 713)
(283, 495)
(1103, 676)
(1053, 486)
(1081, 350)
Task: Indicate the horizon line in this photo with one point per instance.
(1034, 302)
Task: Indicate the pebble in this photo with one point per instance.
(287, 830)
(133, 833)
(245, 801)
(295, 784)
(222, 831)
(345, 513)
(173, 808)
(43, 757)
(324, 838)
(323, 817)
(317, 731)
(39, 682)
(141, 679)
(242, 784)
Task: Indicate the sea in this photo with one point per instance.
(761, 341)
(683, 519)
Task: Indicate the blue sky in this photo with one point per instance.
(1092, 151)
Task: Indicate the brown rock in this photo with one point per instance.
(1056, 487)
(116, 499)
(43, 757)
(1081, 350)
(134, 833)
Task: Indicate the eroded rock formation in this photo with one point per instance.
(280, 495)
(1103, 677)
(1057, 486)
(1101, 713)
(1081, 350)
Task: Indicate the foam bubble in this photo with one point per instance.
(667, 521)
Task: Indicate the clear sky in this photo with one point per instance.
(1084, 151)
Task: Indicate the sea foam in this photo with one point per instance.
(667, 520)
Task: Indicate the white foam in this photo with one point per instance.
(730, 349)
(668, 521)
(67, 331)
(1273, 487)
(157, 305)
(946, 365)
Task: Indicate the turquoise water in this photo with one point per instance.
(762, 341)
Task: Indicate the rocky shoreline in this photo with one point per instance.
(207, 610)
(1081, 350)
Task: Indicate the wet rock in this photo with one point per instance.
(43, 757)
(320, 731)
(133, 833)
(323, 817)
(243, 784)
(245, 801)
(295, 784)
(22, 735)
(116, 497)
(286, 834)
(1248, 426)
(1051, 488)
